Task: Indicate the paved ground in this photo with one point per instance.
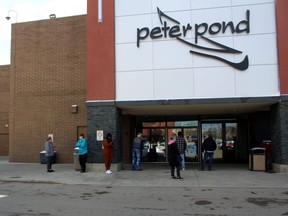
(156, 175)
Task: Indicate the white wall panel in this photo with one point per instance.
(171, 54)
(135, 86)
(249, 2)
(214, 82)
(262, 18)
(126, 27)
(261, 49)
(200, 4)
(174, 84)
(260, 81)
(170, 5)
(132, 7)
(130, 58)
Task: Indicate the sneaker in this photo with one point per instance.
(180, 178)
(108, 172)
(173, 177)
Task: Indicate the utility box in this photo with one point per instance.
(257, 159)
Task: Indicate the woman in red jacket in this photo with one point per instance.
(108, 147)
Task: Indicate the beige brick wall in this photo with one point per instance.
(4, 109)
(48, 75)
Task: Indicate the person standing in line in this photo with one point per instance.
(49, 153)
(108, 147)
(209, 146)
(182, 146)
(82, 144)
(173, 157)
(136, 147)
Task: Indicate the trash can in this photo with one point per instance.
(43, 159)
(257, 159)
(77, 166)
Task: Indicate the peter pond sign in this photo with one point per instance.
(179, 32)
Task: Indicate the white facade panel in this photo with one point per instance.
(142, 59)
(260, 81)
(200, 4)
(170, 5)
(216, 46)
(171, 54)
(249, 2)
(135, 86)
(214, 82)
(132, 7)
(126, 27)
(168, 86)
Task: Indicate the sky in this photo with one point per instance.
(31, 10)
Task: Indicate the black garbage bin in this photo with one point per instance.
(43, 159)
(257, 159)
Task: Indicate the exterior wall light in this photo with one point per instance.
(52, 16)
(74, 109)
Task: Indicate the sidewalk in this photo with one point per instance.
(153, 175)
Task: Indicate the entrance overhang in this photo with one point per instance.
(197, 106)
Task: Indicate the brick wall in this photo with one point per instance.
(48, 75)
(4, 109)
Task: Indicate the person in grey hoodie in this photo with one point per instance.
(49, 153)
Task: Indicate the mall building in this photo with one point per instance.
(156, 67)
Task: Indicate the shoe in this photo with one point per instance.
(82, 171)
(52, 170)
(108, 172)
(180, 178)
(173, 177)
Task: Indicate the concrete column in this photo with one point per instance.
(106, 117)
(279, 125)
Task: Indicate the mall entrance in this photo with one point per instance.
(156, 135)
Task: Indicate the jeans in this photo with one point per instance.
(135, 158)
(183, 160)
(207, 156)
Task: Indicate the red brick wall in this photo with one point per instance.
(48, 75)
(4, 109)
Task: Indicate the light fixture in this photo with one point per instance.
(8, 17)
(74, 108)
(52, 16)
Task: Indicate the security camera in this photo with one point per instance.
(8, 18)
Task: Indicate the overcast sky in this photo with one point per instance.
(31, 10)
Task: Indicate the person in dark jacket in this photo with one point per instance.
(49, 153)
(173, 157)
(209, 146)
(136, 147)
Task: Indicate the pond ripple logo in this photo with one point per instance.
(179, 32)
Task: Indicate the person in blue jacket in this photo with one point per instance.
(82, 144)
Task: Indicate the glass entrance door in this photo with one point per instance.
(225, 134)
(216, 130)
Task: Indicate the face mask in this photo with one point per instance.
(80, 137)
